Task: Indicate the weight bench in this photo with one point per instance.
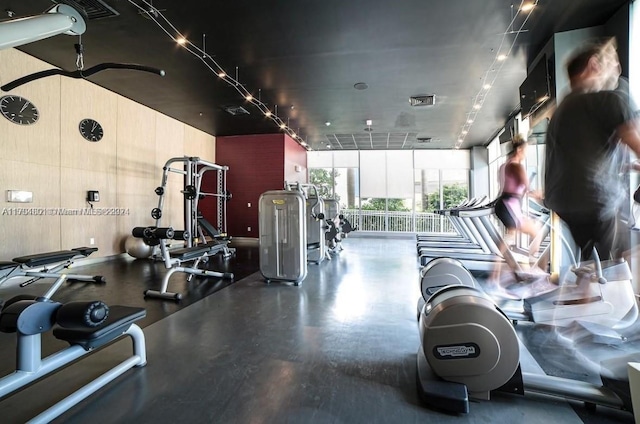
(47, 265)
(222, 239)
(86, 326)
(173, 259)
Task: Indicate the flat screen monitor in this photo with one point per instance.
(535, 90)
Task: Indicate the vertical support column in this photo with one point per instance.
(188, 203)
(28, 353)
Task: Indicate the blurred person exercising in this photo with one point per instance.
(514, 184)
(586, 150)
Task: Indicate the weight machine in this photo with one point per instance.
(193, 170)
(316, 225)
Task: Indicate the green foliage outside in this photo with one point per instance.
(452, 195)
(379, 205)
(324, 180)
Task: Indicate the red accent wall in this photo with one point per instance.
(257, 163)
(295, 161)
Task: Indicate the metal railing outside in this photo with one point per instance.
(367, 220)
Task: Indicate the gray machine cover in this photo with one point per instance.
(316, 246)
(283, 235)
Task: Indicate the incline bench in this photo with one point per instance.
(47, 265)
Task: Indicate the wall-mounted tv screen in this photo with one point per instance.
(535, 90)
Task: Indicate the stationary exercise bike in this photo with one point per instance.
(469, 348)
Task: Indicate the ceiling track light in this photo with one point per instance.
(147, 8)
(491, 75)
(527, 7)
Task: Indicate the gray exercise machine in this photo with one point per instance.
(193, 170)
(316, 224)
(598, 293)
(283, 233)
(86, 326)
(338, 226)
(175, 258)
(470, 349)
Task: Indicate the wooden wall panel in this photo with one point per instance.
(28, 228)
(198, 143)
(84, 223)
(53, 161)
(29, 160)
(87, 166)
(136, 160)
(170, 144)
(39, 142)
(79, 100)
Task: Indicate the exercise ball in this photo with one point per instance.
(137, 248)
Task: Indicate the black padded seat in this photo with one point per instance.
(46, 258)
(194, 252)
(119, 320)
(85, 251)
(8, 264)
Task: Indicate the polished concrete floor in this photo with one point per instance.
(340, 348)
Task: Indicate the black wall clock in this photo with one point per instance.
(18, 110)
(91, 129)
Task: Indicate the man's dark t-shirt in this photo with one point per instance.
(583, 157)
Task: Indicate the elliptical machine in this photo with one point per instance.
(599, 293)
(469, 348)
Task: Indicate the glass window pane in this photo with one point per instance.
(324, 180)
(319, 159)
(455, 187)
(399, 174)
(347, 187)
(427, 190)
(399, 215)
(442, 159)
(346, 159)
(494, 149)
(373, 174)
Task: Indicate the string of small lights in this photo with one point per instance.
(147, 9)
(491, 74)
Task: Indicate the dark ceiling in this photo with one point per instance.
(306, 56)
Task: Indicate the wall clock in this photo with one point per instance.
(91, 129)
(18, 110)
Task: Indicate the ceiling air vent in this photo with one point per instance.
(94, 9)
(236, 110)
(423, 100)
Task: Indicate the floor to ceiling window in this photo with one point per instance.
(393, 190)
